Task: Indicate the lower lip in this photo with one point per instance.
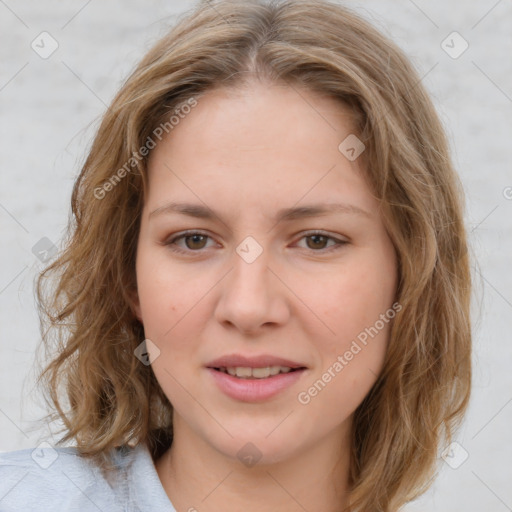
(254, 390)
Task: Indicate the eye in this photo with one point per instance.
(195, 241)
(319, 239)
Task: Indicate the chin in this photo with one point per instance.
(251, 447)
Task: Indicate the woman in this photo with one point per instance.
(264, 298)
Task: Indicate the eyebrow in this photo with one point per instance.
(285, 214)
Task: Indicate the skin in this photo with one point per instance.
(246, 154)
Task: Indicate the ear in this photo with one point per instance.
(135, 303)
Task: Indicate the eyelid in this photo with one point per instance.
(183, 234)
(338, 238)
(340, 242)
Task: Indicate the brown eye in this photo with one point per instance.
(321, 242)
(318, 241)
(195, 241)
(188, 242)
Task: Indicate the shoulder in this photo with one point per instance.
(55, 479)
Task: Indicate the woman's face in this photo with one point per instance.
(252, 291)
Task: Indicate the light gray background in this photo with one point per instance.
(49, 110)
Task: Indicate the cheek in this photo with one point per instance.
(353, 299)
(358, 309)
(173, 308)
(164, 292)
(357, 306)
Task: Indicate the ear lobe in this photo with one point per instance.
(134, 303)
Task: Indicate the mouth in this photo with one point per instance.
(255, 378)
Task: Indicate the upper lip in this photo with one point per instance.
(260, 361)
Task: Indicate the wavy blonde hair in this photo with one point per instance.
(106, 398)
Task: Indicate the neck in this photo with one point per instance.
(197, 477)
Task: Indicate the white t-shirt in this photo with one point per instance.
(58, 479)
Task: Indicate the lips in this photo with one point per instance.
(256, 378)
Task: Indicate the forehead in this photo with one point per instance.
(262, 145)
(263, 118)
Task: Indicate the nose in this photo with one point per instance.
(253, 295)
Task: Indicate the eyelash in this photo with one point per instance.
(173, 247)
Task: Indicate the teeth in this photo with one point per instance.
(260, 373)
(242, 371)
(245, 372)
(274, 370)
